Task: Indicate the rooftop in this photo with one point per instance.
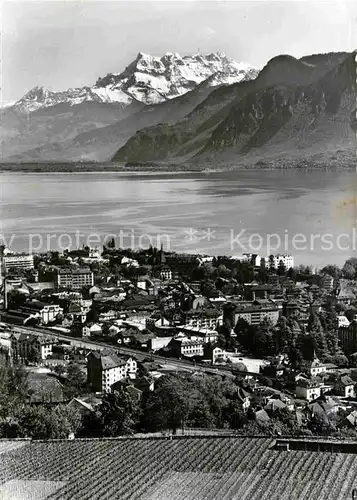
(30, 337)
(108, 359)
(82, 270)
(256, 305)
(45, 388)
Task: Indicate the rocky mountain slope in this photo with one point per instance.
(294, 109)
(152, 80)
(101, 143)
(43, 123)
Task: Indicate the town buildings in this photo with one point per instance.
(30, 347)
(18, 260)
(166, 273)
(45, 313)
(308, 389)
(276, 260)
(186, 346)
(345, 387)
(317, 368)
(348, 337)
(106, 367)
(209, 335)
(251, 258)
(203, 318)
(252, 312)
(327, 282)
(74, 278)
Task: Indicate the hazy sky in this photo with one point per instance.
(72, 43)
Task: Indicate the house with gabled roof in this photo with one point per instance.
(128, 386)
(274, 405)
(261, 416)
(316, 367)
(351, 419)
(44, 388)
(28, 347)
(345, 387)
(106, 367)
(309, 389)
(83, 407)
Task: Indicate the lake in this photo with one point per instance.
(309, 214)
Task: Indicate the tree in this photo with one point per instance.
(201, 416)
(332, 270)
(63, 421)
(292, 274)
(33, 354)
(271, 262)
(166, 407)
(222, 271)
(350, 313)
(111, 243)
(208, 288)
(16, 299)
(321, 425)
(119, 414)
(284, 335)
(76, 382)
(14, 389)
(235, 415)
(349, 269)
(281, 271)
(288, 419)
(217, 392)
(315, 330)
(32, 422)
(258, 340)
(59, 370)
(38, 422)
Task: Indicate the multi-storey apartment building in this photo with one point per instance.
(206, 334)
(166, 273)
(275, 260)
(18, 260)
(327, 282)
(253, 313)
(74, 278)
(106, 367)
(187, 346)
(203, 318)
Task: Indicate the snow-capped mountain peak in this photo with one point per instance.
(148, 79)
(152, 79)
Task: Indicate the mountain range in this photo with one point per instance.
(45, 125)
(200, 109)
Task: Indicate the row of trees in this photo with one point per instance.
(288, 337)
(181, 402)
(348, 271)
(178, 401)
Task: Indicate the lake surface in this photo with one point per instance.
(312, 214)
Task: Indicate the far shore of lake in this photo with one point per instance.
(97, 167)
